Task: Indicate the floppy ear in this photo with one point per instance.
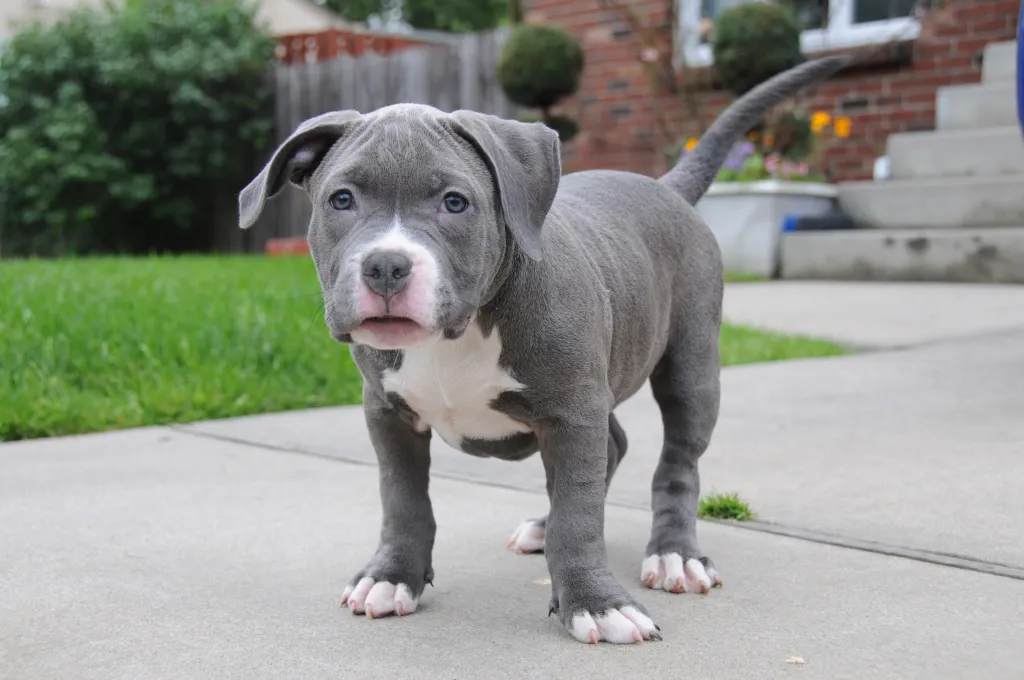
(300, 155)
(526, 165)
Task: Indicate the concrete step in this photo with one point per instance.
(936, 203)
(957, 153)
(981, 105)
(1000, 62)
(994, 255)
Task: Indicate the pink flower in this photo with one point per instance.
(771, 163)
(803, 170)
(787, 168)
(649, 55)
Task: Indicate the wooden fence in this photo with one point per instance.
(448, 76)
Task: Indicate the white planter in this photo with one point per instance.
(747, 218)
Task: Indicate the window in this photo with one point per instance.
(828, 24)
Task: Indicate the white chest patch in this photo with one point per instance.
(450, 384)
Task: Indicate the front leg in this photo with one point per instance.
(395, 577)
(589, 601)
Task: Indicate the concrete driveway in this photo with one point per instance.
(888, 544)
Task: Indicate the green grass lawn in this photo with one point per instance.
(99, 344)
(740, 277)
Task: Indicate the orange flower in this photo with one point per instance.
(842, 127)
(690, 143)
(819, 120)
(769, 141)
(753, 136)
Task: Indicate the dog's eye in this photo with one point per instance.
(455, 203)
(342, 200)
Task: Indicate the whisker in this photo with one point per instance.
(320, 313)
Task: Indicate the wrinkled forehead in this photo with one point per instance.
(405, 148)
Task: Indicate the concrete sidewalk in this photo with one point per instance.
(888, 487)
(877, 315)
(161, 554)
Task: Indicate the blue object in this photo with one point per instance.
(1020, 68)
(830, 221)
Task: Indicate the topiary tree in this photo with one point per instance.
(753, 42)
(538, 67)
(129, 129)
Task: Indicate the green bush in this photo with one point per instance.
(127, 130)
(753, 42)
(539, 66)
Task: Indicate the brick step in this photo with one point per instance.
(957, 153)
(935, 203)
(992, 255)
(1000, 62)
(982, 105)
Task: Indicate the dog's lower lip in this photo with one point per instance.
(392, 332)
(390, 325)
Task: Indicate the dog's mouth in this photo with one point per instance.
(389, 320)
(390, 325)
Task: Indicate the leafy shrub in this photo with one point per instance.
(540, 66)
(753, 42)
(127, 130)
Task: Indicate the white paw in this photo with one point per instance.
(527, 538)
(668, 572)
(379, 598)
(619, 626)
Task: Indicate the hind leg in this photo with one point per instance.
(529, 536)
(686, 386)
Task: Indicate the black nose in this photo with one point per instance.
(386, 273)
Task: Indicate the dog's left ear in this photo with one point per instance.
(300, 154)
(525, 163)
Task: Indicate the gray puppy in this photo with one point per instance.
(510, 310)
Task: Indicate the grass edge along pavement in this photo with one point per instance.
(90, 345)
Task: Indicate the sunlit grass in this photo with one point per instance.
(98, 344)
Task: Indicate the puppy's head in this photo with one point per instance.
(416, 213)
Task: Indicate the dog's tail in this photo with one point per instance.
(692, 176)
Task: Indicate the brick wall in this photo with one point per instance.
(310, 47)
(625, 125)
